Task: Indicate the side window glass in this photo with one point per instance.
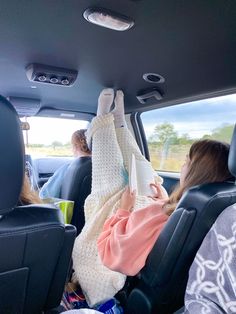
(170, 131)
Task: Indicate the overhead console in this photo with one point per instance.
(50, 75)
(25, 107)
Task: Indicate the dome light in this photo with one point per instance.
(108, 19)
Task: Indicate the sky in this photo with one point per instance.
(47, 130)
(195, 119)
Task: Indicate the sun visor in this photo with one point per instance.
(25, 107)
(66, 114)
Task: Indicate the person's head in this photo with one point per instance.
(206, 162)
(79, 144)
(27, 195)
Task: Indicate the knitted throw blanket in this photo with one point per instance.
(111, 150)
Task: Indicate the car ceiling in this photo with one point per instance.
(192, 44)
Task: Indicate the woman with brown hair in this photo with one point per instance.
(121, 227)
(128, 236)
(52, 187)
(79, 144)
(207, 162)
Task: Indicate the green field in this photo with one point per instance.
(44, 151)
(167, 150)
(170, 161)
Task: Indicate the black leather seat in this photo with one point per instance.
(35, 244)
(76, 187)
(161, 284)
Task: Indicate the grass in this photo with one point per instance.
(46, 151)
(171, 160)
(166, 161)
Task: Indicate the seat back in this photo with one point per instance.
(162, 282)
(11, 157)
(35, 244)
(76, 187)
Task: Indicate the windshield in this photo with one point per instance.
(50, 136)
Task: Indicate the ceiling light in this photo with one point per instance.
(108, 19)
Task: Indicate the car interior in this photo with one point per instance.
(35, 242)
(56, 57)
(162, 282)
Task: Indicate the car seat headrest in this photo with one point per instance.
(232, 154)
(11, 157)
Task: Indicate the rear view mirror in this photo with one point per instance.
(25, 126)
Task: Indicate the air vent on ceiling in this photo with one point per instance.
(51, 75)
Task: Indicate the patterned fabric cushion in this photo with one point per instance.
(212, 278)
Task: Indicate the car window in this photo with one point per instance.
(170, 131)
(50, 136)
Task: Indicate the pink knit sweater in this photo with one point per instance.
(128, 237)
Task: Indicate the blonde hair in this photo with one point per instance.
(208, 163)
(78, 140)
(27, 195)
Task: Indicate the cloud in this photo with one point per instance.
(47, 130)
(196, 118)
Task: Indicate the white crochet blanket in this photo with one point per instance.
(111, 150)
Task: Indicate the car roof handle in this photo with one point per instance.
(145, 96)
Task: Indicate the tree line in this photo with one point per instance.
(165, 134)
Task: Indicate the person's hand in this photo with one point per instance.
(159, 192)
(127, 199)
